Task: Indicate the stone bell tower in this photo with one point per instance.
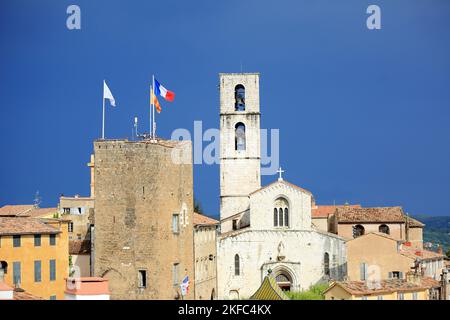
(240, 155)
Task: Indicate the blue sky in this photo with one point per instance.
(363, 115)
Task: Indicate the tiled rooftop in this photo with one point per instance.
(79, 247)
(324, 211)
(370, 215)
(386, 286)
(200, 219)
(25, 225)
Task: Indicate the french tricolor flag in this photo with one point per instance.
(163, 92)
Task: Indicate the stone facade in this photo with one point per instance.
(143, 236)
(205, 240)
(77, 211)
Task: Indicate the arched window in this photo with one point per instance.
(384, 229)
(239, 136)
(358, 230)
(326, 264)
(280, 217)
(239, 96)
(286, 217)
(237, 265)
(281, 213)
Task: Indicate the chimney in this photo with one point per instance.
(412, 277)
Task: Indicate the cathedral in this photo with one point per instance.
(264, 229)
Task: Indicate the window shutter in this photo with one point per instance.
(363, 271)
(390, 275)
(400, 276)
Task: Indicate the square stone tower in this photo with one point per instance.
(143, 236)
(240, 155)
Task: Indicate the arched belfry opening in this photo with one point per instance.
(239, 96)
(239, 136)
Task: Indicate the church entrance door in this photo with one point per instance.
(283, 281)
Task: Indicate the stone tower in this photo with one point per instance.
(143, 236)
(240, 156)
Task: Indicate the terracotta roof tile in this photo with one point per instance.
(25, 210)
(23, 295)
(79, 246)
(415, 223)
(14, 210)
(370, 215)
(391, 285)
(421, 254)
(25, 225)
(41, 212)
(200, 219)
(324, 211)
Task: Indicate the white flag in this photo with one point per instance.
(108, 95)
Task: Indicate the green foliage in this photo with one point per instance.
(448, 253)
(436, 231)
(198, 207)
(315, 292)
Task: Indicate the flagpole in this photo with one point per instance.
(153, 110)
(103, 122)
(151, 104)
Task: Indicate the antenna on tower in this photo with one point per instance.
(136, 125)
(37, 200)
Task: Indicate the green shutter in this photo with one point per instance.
(37, 271)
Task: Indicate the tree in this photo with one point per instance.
(448, 253)
(198, 207)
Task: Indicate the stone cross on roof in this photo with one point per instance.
(280, 171)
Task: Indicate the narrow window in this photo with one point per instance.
(239, 96)
(326, 263)
(363, 271)
(37, 240)
(16, 241)
(286, 217)
(142, 278)
(280, 217)
(175, 223)
(235, 224)
(37, 271)
(175, 274)
(237, 265)
(70, 226)
(380, 298)
(275, 217)
(52, 239)
(17, 276)
(66, 210)
(401, 296)
(53, 297)
(414, 296)
(239, 136)
(52, 270)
